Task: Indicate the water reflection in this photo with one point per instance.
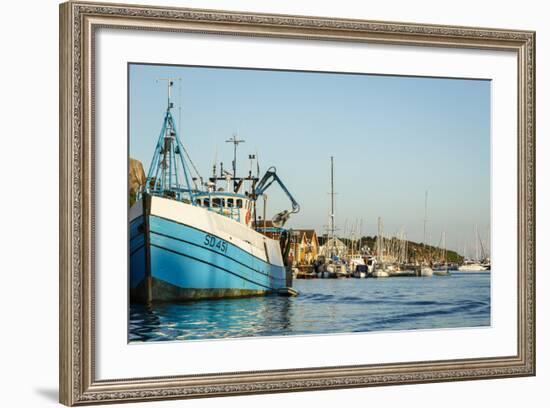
(324, 306)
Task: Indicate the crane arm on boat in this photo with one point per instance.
(267, 180)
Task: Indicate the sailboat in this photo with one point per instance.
(471, 266)
(474, 265)
(191, 239)
(425, 269)
(356, 263)
(380, 270)
(443, 269)
(333, 267)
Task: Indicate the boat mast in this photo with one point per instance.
(235, 142)
(380, 241)
(360, 244)
(425, 220)
(444, 239)
(332, 205)
(476, 243)
(163, 177)
(482, 254)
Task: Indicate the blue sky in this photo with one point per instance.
(392, 139)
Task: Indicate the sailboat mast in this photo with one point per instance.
(425, 214)
(476, 243)
(332, 203)
(445, 247)
(425, 221)
(379, 241)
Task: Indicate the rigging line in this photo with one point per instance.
(180, 105)
(179, 131)
(193, 165)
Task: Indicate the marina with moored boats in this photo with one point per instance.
(381, 256)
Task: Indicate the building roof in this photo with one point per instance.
(309, 233)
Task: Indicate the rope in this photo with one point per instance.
(193, 165)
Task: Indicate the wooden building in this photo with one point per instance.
(304, 246)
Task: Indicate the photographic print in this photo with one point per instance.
(274, 203)
(286, 194)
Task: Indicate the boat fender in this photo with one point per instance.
(247, 218)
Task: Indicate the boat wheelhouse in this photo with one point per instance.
(237, 207)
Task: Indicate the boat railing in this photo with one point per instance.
(271, 230)
(230, 212)
(218, 207)
(174, 193)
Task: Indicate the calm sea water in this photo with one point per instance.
(325, 306)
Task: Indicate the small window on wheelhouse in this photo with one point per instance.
(239, 203)
(218, 202)
(207, 202)
(230, 203)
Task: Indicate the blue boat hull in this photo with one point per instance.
(188, 264)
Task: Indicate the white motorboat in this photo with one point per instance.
(380, 273)
(426, 271)
(358, 267)
(472, 267)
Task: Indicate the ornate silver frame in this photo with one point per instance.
(78, 22)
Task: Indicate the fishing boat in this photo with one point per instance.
(193, 239)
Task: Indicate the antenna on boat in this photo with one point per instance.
(235, 142)
(170, 83)
(251, 157)
(214, 175)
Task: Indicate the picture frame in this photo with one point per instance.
(79, 22)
